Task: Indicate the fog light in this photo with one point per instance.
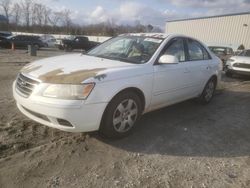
(64, 122)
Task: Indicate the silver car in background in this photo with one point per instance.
(239, 64)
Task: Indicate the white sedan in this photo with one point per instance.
(111, 86)
(239, 64)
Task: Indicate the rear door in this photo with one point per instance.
(83, 43)
(18, 41)
(198, 65)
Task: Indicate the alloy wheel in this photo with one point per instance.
(125, 115)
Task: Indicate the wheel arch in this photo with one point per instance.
(137, 91)
(215, 77)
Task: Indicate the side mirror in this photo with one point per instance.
(168, 59)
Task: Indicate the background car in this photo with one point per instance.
(22, 41)
(2, 38)
(79, 42)
(49, 41)
(239, 64)
(5, 34)
(224, 53)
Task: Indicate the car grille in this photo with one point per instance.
(242, 65)
(25, 85)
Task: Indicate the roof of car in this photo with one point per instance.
(157, 35)
(153, 35)
(219, 47)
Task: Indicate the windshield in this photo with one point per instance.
(131, 49)
(245, 53)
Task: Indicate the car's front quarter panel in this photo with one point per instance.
(140, 78)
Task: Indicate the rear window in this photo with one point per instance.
(196, 51)
(245, 53)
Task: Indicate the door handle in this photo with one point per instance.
(208, 67)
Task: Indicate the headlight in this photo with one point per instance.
(70, 92)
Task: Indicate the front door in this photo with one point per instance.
(171, 81)
(199, 64)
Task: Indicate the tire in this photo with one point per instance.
(208, 91)
(228, 74)
(36, 46)
(68, 48)
(121, 115)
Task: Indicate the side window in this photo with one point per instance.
(229, 51)
(206, 55)
(176, 48)
(196, 51)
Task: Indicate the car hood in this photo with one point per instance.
(73, 69)
(241, 59)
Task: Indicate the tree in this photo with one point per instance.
(6, 6)
(46, 15)
(67, 22)
(37, 14)
(150, 28)
(16, 13)
(26, 8)
(55, 18)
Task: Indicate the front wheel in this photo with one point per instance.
(68, 48)
(36, 46)
(121, 115)
(208, 91)
(228, 73)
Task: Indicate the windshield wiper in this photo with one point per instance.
(117, 58)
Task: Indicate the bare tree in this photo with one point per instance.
(66, 19)
(46, 15)
(55, 18)
(6, 6)
(16, 13)
(37, 14)
(26, 8)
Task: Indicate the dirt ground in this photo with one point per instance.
(185, 145)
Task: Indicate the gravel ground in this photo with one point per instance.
(185, 145)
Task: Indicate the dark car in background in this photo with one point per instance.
(2, 38)
(79, 42)
(22, 41)
(5, 34)
(224, 53)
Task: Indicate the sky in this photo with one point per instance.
(154, 12)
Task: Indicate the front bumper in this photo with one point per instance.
(240, 71)
(71, 116)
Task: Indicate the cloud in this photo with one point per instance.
(99, 14)
(128, 13)
(227, 5)
(154, 12)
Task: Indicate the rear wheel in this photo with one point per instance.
(36, 46)
(208, 91)
(121, 115)
(228, 74)
(68, 48)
